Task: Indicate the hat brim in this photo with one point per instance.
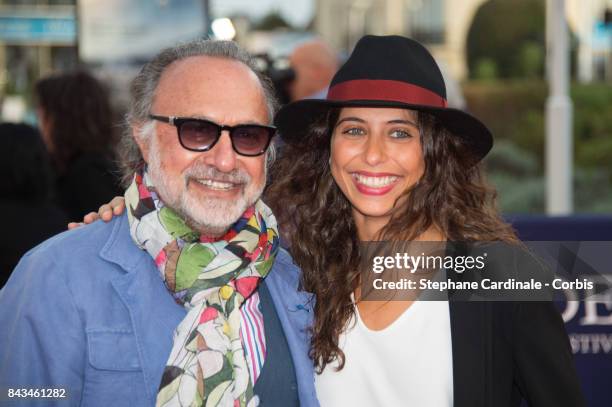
(294, 120)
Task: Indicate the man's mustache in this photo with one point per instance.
(236, 176)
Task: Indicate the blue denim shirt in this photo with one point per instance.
(87, 311)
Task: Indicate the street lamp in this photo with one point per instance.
(559, 141)
(223, 29)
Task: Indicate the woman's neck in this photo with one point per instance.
(369, 228)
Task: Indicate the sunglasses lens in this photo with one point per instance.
(251, 140)
(198, 135)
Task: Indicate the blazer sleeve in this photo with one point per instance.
(42, 342)
(544, 365)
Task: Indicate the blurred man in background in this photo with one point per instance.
(314, 64)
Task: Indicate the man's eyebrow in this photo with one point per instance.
(202, 117)
(195, 116)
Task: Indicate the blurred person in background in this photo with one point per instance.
(314, 64)
(26, 195)
(76, 122)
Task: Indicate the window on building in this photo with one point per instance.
(426, 21)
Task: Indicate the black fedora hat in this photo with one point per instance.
(387, 71)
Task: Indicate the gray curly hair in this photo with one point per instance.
(143, 89)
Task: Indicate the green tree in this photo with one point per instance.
(511, 34)
(485, 70)
(531, 60)
(272, 21)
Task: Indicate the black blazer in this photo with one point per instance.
(504, 352)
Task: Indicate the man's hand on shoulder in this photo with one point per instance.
(106, 212)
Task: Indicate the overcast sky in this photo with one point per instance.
(296, 12)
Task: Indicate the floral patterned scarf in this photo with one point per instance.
(207, 365)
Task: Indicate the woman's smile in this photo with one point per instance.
(376, 157)
(370, 183)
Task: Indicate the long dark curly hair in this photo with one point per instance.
(316, 218)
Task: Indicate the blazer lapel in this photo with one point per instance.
(295, 312)
(153, 312)
(469, 334)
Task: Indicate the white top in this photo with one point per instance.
(409, 363)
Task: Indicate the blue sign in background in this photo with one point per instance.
(38, 29)
(589, 325)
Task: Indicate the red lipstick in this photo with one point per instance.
(372, 190)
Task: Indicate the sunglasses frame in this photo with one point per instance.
(179, 121)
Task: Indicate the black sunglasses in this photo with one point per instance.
(201, 135)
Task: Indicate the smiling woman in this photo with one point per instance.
(384, 159)
(376, 156)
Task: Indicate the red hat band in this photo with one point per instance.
(384, 90)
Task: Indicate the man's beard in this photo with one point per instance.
(210, 216)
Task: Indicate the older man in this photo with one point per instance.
(86, 318)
